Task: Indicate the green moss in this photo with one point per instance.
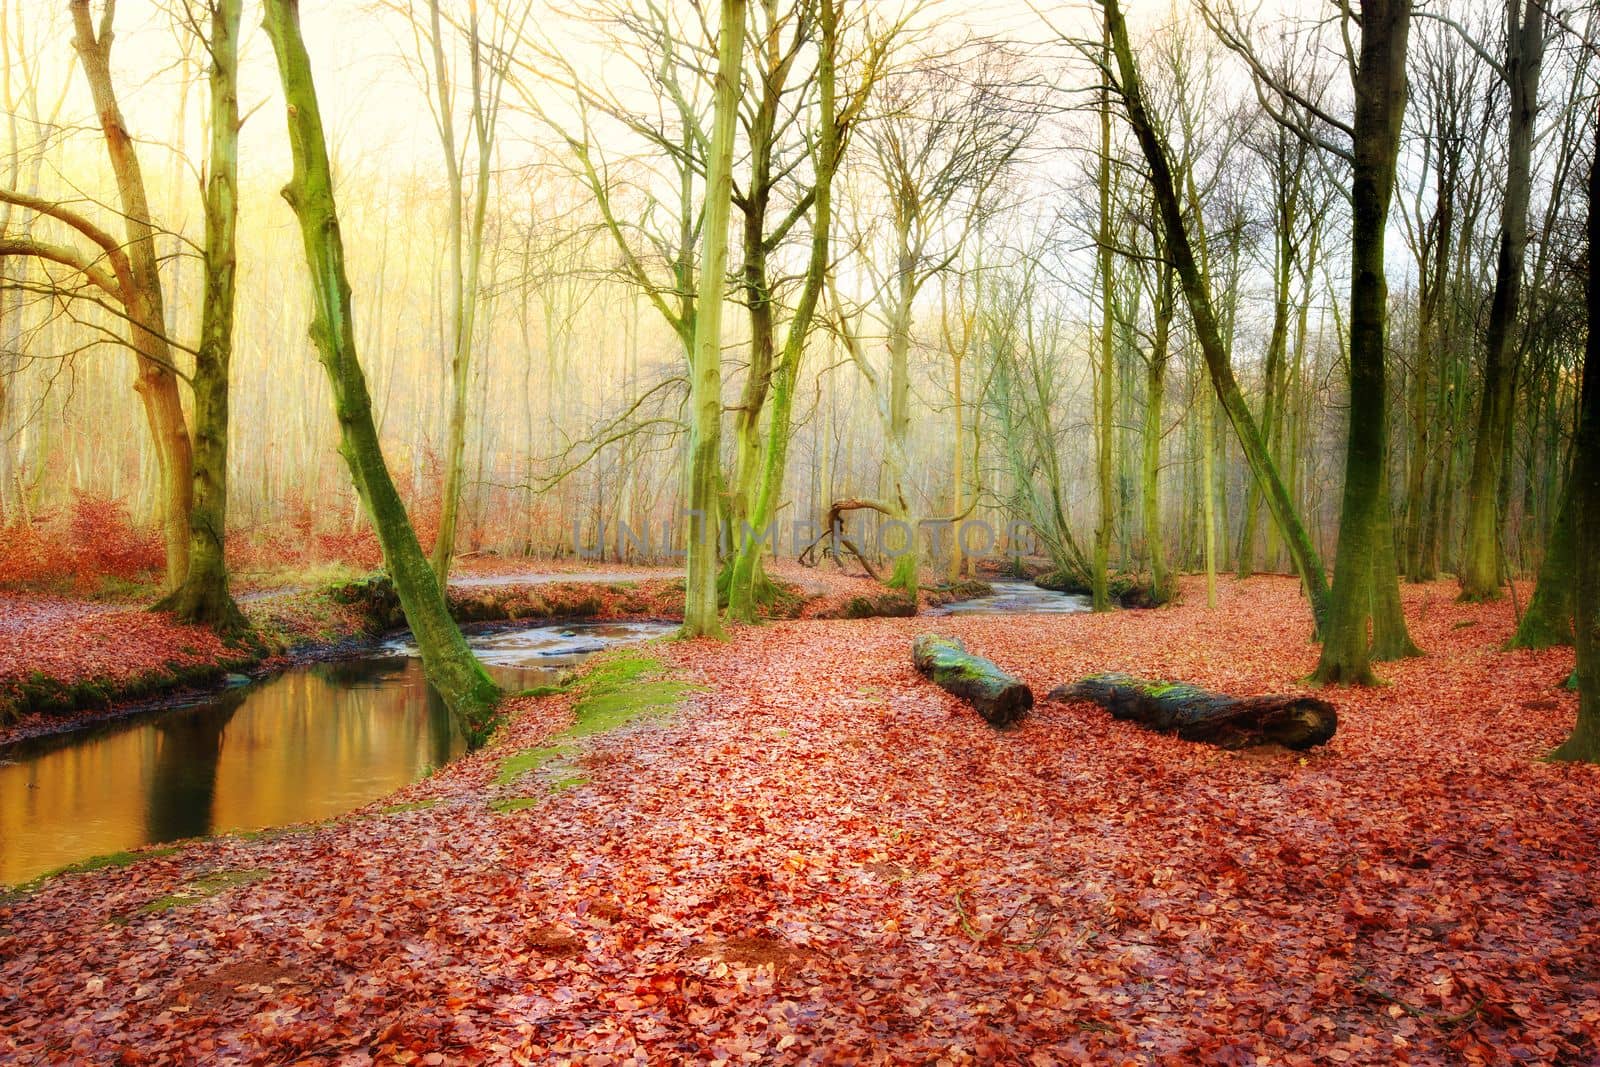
(887, 605)
(615, 671)
(272, 833)
(40, 692)
(517, 764)
(619, 688)
(415, 805)
(203, 888)
(607, 711)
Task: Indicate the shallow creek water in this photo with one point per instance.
(1014, 596)
(307, 744)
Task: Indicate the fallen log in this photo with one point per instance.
(1196, 714)
(999, 697)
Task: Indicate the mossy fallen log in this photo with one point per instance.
(999, 697)
(1196, 714)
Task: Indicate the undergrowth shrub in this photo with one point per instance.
(79, 547)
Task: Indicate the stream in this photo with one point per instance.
(310, 743)
(1012, 596)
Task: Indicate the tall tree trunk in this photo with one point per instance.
(1419, 563)
(906, 572)
(1390, 638)
(203, 596)
(1197, 294)
(957, 463)
(745, 594)
(1101, 597)
(446, 660)
(705, 370)
(1584, 744)
(157, 384)
(1380, 95)
(467, 247)
(1161, 588)
(1548, 620)
(1208, 490)
(775, 453)
(1480, 564)
(1286, 195)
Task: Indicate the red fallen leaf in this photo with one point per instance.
(1140, 900)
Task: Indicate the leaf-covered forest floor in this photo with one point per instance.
(822, 858)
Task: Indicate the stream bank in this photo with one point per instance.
(66, 663)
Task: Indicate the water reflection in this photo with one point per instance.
(308, 744)
(183, 785)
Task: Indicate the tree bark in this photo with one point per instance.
(1286, 194)
(775, 454)
(999, 697)
(1480, 564)
(1380, 95)
(1548, 620)
(1194, 714)
(156, 383)
(700, 618)
(203, 596)
(747, 583)
(1161, 585)
(1584, 744)
(1208, 490)
(446, 660)
(1104, 400)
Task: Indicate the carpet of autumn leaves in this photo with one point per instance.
(822, 858)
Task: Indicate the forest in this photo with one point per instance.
(739, 531)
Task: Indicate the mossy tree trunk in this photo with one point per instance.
(1480, 563)
(905, 574)
(1433, 266)
(1001, 698)
(1208, 491)
(1548, 620)
(746, 582)
(700, 617)
(1104, 373)
(1287, 166)
(203, 596)
(1584, 744)
(1380, 94)
(1196, 714)
(446, 660)
(1161, 586)
(1391, 639)
(466, 252)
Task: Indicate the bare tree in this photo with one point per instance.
(950, 128)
